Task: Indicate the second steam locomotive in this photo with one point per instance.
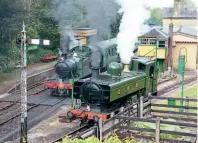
(76, 66)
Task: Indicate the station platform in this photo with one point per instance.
(7, 80)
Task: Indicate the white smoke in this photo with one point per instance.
(73, 42)
(134, 16)
(195, 2)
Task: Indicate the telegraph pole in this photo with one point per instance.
(23, 87)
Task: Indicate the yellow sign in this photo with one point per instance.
(118, 91)
(128, 87)
(136, 84)
(83, 41)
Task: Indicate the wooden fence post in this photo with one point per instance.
(100, 129)
(186, 103)
(113, 122)
(157, 131)
(121, 110)
(130, 109)
(149, 100)
(141, 105)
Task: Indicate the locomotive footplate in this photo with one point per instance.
(89, 115)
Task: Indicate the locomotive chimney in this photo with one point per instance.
(64, 44)
(126, 68)
(95, 73)
(95, 62)
(170, 47)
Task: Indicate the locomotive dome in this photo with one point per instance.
(114, 69)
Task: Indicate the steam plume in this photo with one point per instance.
(99, 14)
(67, 41)
(134, 16)
(96, 14)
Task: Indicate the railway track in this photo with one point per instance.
(11, 109)
(32, 89)
(40, 105)
(10, 125)
(175, 86)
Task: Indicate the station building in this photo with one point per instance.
(184, 38)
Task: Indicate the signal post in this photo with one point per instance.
(23, 87)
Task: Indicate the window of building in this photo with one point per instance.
(144, 41)
(162, 44)
(147, 41)
(152, 41)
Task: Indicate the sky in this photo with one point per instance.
(159, 3)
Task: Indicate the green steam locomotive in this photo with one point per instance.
(106, 92)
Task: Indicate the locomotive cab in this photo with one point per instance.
(148, 66)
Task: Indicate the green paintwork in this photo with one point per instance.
(114, 69)
(171, 102)
(145, 65)
(129, 86)
(181, 65)
(160, 65)
(126, 86)
(32, 47)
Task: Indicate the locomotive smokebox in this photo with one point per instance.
(126, 68)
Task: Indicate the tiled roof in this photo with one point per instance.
(183, 30)
(184, 12)
(154, 33)
(189, 31)
(163, 33)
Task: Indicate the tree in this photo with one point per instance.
(156, 17)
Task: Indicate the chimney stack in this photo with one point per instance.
(170, 47)
(177, 7)
(126, 68)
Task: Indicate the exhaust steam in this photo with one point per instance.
(134, 15)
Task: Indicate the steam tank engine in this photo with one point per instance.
(77, 66)
(107, 92)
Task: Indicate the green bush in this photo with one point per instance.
(13, 58)
(162, 127)
(32, 56)
(111, 139)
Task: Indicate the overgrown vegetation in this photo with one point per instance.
(39, 24)
(156, 17)
(111, 139)
(162, 127)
